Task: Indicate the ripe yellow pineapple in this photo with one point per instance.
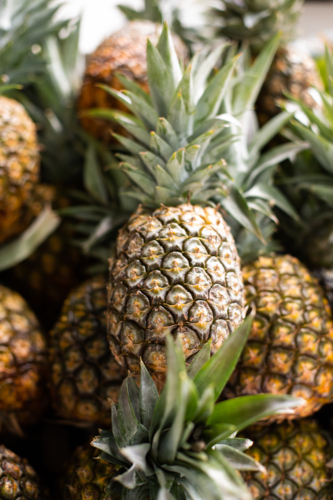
(18, 479)
(122, 53)
(19, 165)
(24, 366)
(85, 375)
(176, 271)
(86, 476)
(290, 348)
(296, 456)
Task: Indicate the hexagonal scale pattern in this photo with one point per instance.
(176, 271)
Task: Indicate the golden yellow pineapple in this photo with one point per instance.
(87, 476)
(296, 456)
(124, 52)
(19, 165)
(23, 366)
(176, 271)
(85, 375)
(17, 479)
(290, 348)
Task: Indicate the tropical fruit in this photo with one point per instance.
(18, 479)
(24, 366)
(176, 270)
(85, 375)
(85, 476)
(292, 71)
(296, 456)
(19, 165)
(123, 53)
(182, 435)
(290, 349)
(176, 267)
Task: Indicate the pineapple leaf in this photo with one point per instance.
(273, 195)
(159, 146)
(240, 444)
(211, 99)
(160, 82)
(178, 117)
(238, 460)
(218, 369)
(247, 92)
(24, 245)
(176, 166)
(167, 133)
(131, 146)
(236, 205)
(144, 181)
(167, 50)
(148, 396)
(200, 359)
(108, 444)
(134, 88)
(132, 431)
(92, 176)
(268, 132)
(136, 455)
(322, 149)
(245, 410)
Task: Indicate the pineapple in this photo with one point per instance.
(24, 367)
(296, 456)
(85, 477)
(292, 71)
(84, 373)
(19, 165)
(123, 53)
(290, 349)
(181, 444)
(18, 479)
(176, 267)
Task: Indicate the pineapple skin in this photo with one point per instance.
(84, 372)
(176, 271)
(295, 455)
(17, 478)
(24, 366)
(325, 277)
(19, 166)
(86, 476)
(292, 71)
(290, 348)
(124, 52)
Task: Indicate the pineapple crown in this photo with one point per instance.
(187, 123)
(308, 181)
(255, 22)
(181, 445)
(23, 28)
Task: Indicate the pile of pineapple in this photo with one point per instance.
(166, 257)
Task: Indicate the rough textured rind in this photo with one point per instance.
(295, 455)
(290, 349)
(325, 277)
(176, 271)
(18, 480)
(84, 372)
(23, 360)
(293, 72)
(123, 52)
(19, 165)
(86, 476)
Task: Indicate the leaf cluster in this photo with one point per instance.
(180, 444)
